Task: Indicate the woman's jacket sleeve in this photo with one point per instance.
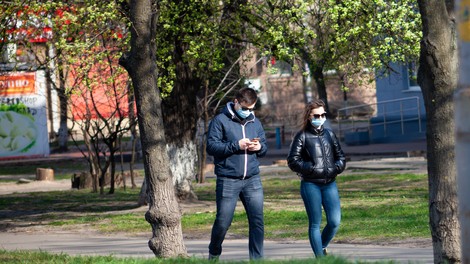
(340, 159)
(297, 159)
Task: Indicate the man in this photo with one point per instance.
(236, 139)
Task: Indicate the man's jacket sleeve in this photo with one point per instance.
(216, 146)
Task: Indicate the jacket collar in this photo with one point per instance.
(316, 131)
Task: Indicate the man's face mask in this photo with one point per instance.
(244, 112)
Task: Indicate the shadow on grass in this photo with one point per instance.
(26, 208)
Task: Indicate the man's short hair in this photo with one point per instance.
(247, 95)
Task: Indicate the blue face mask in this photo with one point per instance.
(318, 122)
(243, 113)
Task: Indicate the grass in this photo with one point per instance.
(62, 170)
(391, 206)
(26, 257)
(375, 208)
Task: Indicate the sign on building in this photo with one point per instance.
(23, 119)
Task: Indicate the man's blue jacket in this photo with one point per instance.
(225, 130)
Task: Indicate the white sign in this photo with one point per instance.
(23, 115)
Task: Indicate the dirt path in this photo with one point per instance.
(34, 186)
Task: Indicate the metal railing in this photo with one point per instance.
(357, 118)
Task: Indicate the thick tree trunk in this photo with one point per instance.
(63, 106)
(63, 133)
(462, 129)
(180, 121)
(438, 79)
(319, 78)
(202, 137)
(133, 121)
(183, 162)
(164, 213)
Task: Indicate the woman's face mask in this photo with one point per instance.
(318, 122)
(318, 119)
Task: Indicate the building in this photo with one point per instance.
(400, 114)
(284, 92)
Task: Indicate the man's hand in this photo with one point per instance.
(254, 145)
(244, 143)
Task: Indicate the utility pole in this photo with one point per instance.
(462, 125)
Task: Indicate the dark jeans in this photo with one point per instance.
(228, 191)
(315, 196)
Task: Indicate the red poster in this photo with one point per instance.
(17, 84)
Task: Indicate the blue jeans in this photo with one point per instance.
(316, 195)
(228, 191)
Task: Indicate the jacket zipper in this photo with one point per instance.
(245, 167)
(325, 170)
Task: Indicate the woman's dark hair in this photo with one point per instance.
(246, 95)
(308, 110)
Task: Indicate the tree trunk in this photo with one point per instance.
(112, 164)
(63, 133)
(164, 213)
(133, 121)
(180, 121)
(63, 106)
(438, 77)
(202, 138)
(316, 71)
(462, 130)
(319, 78)
(143, 198)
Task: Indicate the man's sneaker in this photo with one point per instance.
(214, 257)
(325, 252)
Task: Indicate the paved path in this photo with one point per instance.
(234, 249)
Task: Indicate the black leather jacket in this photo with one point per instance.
(316, 155)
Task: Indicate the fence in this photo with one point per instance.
(388, 118)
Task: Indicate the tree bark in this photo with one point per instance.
(202, 138)
(133, 121)
(438, 77)
(63, 106)
(164, 213)
(319, 78)
(180, 121)
(462, 129)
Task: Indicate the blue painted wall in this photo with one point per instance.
(393, 86)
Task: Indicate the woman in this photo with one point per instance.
(316, 156)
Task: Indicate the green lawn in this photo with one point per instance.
(33, 257)
(391, 206)
(62, 170)
(376, 207)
